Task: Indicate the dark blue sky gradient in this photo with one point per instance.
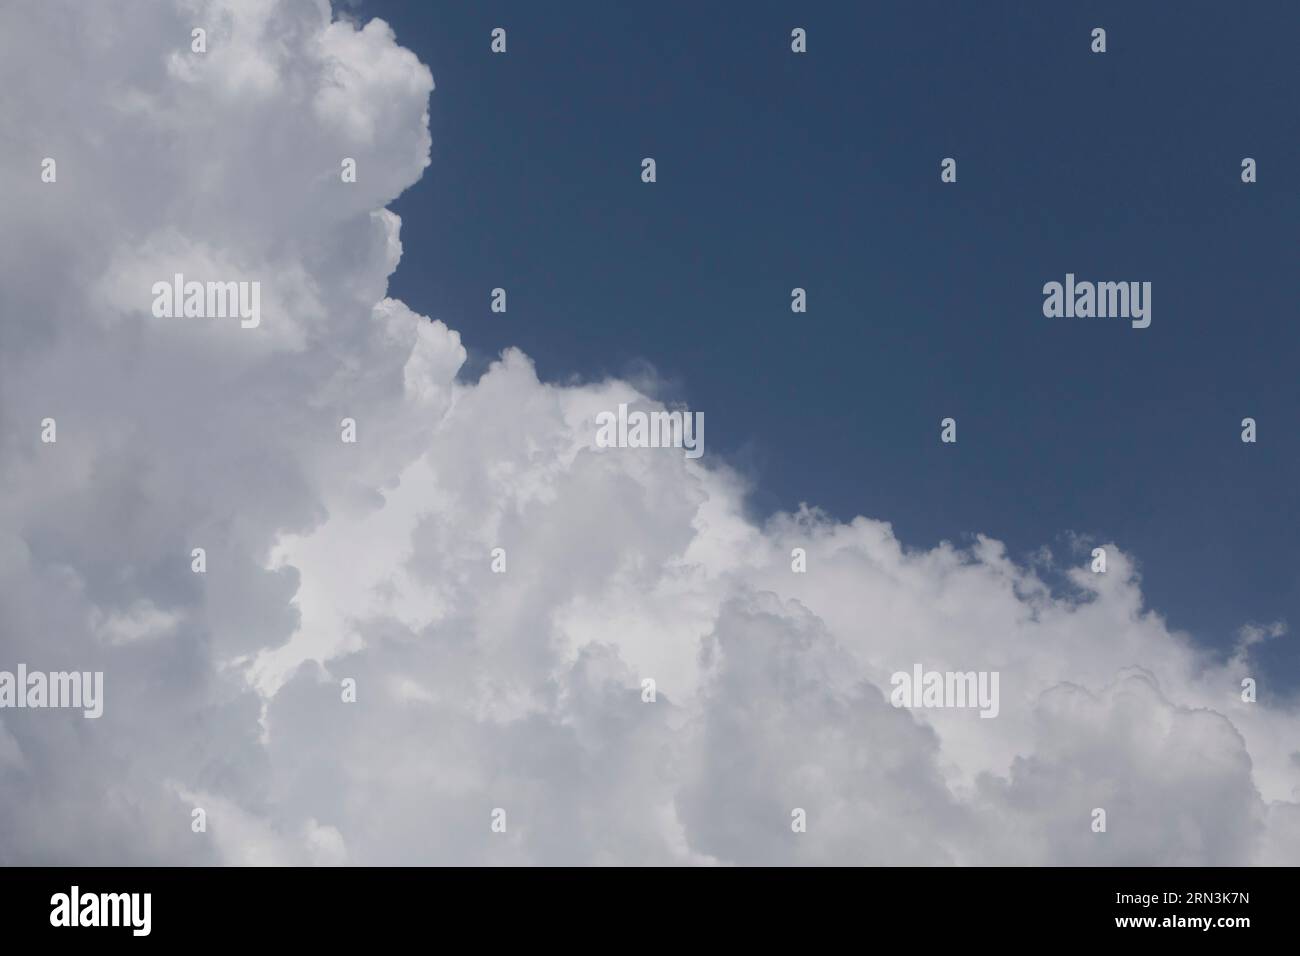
(822, 171)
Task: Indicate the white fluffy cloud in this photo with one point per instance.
(371, 560)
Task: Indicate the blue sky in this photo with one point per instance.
(822, 171)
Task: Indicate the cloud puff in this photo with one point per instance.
(478, 690)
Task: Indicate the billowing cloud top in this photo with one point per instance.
(371, 561)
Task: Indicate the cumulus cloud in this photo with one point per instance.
(371, 561)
